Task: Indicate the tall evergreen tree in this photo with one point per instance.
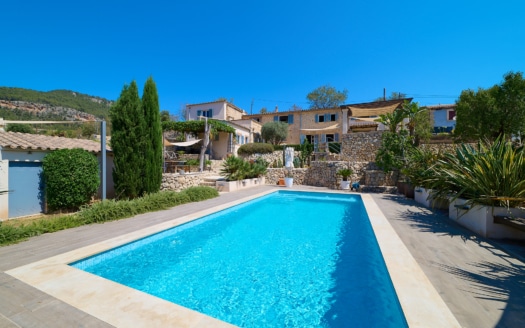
(153, 148)
(127, 143)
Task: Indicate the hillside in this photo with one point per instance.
(26, 104)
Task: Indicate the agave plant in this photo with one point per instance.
(493, 174)
(235, 168)
(258, 168)
(418, 165)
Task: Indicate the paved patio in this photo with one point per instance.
(481, 284)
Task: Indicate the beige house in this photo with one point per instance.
(224, 144)
(328, 124)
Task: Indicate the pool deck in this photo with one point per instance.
(481, 284)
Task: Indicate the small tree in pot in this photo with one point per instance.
(345, 173)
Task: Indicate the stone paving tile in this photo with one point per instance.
(481, 283)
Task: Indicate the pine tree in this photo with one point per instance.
(127, 143)
(153, 148)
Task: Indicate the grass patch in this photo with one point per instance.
(12, 232)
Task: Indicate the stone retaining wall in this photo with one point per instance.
(273, 175)
(271, 159)
(358, 152)
(178, 182)
(360, 146)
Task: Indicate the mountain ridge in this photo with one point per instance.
(21, 103)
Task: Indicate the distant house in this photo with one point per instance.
(21, 155)
(328, 124)
(444, 117)
(224, 144)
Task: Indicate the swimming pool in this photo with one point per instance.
(287, 259)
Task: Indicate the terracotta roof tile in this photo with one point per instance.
(17, 140)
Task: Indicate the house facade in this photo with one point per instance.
(329, 124)
(21, 156)
(444, 117)
(224, 144)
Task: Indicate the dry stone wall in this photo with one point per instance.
(360, 146)
(178, 182)
(272, 159)
(273, 175)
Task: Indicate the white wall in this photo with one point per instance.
(218, 108)
(4, 184)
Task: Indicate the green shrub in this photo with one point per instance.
(22, 128)
(71, 178)
(255, 148)
(193, 161)
(305, 151)
(390, 155)
(196, 194)
(107, 210)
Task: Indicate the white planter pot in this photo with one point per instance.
(288, 182)
(345, 185)
(425, 197)
(228, 186)
(480, 219)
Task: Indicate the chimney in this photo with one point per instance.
(276, 109)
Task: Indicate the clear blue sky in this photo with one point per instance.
(270, 52)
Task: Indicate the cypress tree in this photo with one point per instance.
(127, 143)
(153, 148)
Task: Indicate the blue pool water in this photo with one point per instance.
(288, 259)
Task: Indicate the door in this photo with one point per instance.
(26, 193)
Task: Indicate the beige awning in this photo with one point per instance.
(332, 127)
(360, 112)
(181, 144)
(368, 119)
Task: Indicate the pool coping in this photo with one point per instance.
(119, 305)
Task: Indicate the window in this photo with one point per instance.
(451, 115)
(284, 118)
(310, 139)
(319, 118)
(205, 113)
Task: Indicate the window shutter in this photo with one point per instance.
(336, 116)
(327, 117)
(290, 119)
(316, 118)
(323, 137)
(210, 112)
(336, 137)
(302, 137)
(276, 118)
(199, 113)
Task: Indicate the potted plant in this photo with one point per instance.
(483, 183)
(345, 173)
(419, 162)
